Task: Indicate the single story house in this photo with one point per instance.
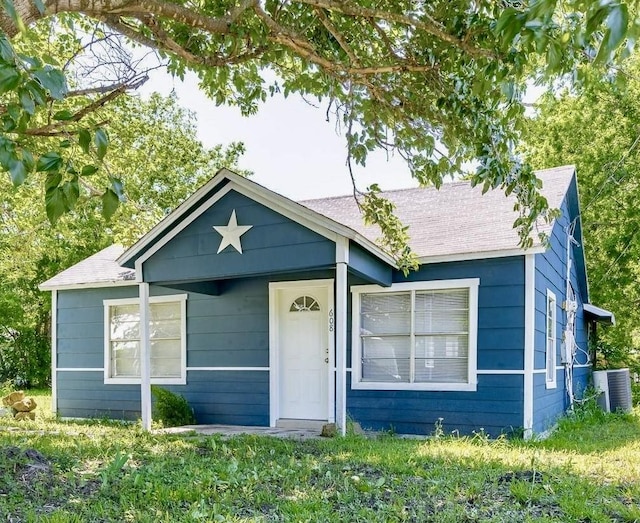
(263, 311)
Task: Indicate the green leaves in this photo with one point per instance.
(51, 161)
(110, 203)
(9, 78)
(102, 142)
(53, 81)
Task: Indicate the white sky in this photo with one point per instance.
(291, 148)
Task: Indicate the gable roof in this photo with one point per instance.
(221, 183)
(454, 222)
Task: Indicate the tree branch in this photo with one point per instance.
(428, 24)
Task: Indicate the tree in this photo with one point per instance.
(599, 132)
(31, 251)
(437, 82)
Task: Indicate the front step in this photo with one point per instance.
(303, 424)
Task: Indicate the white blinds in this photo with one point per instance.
(166, 340)
(415, 336)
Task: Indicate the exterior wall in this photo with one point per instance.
(497, 405)
(551, 273)
(227, 353)
(274, 244)
(229, 330)
(81, 391)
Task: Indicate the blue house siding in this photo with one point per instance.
(274, 244)
(497, 405)
(551, 274)
(83, 394)
(228, 397)
(231, 329)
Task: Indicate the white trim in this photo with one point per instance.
(465, 256)
(145, 355)
(501, 372)
(529, 339)
(341, 338)
(583, 365)
(230, 369)
(54, 351)
(80, 369)
(88, 285)
(168, 298)
(471, 284)
(274, 344)
(551, 383)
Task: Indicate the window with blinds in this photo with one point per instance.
(416, 336)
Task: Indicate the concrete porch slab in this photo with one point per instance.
(236, 430)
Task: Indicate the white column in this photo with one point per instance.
(341, 347)
(145, 357)
(54, 351)
(342, 260)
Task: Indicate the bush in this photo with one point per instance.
(171, 409)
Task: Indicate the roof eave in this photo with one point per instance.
(464, 256)
(46, 286)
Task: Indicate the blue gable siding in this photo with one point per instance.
(497, 405)
(274, 244)
(551, 274)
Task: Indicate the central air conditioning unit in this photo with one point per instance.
(615, 389)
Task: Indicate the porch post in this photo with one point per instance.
(342, 260)
(145, 357)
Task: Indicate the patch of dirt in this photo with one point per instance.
(32, 480)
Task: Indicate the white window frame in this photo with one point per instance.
(182, 379)
(471, 284)
(550, 338)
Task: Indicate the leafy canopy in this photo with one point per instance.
(144, 132)
(439, 83)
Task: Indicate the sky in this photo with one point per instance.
(291, 148)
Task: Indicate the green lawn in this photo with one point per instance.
(588, 471)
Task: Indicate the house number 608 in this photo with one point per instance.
(330, 320)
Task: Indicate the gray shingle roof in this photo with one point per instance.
(456, 219)
(101, 268)
(453, 220)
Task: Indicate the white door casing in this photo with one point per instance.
(301, 337)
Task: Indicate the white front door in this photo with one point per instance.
(304, 351)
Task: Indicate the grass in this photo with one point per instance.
(52, 471)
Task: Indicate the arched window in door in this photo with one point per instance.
(304, 304)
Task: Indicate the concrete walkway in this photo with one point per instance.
(235, 430)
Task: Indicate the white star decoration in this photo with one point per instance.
(231, 233)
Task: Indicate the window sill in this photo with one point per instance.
(426, 387)
(136, 381)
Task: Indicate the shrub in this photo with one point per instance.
(171, 409)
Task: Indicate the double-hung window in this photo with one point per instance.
(167, 328)
(550, 349)
(415, 336)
